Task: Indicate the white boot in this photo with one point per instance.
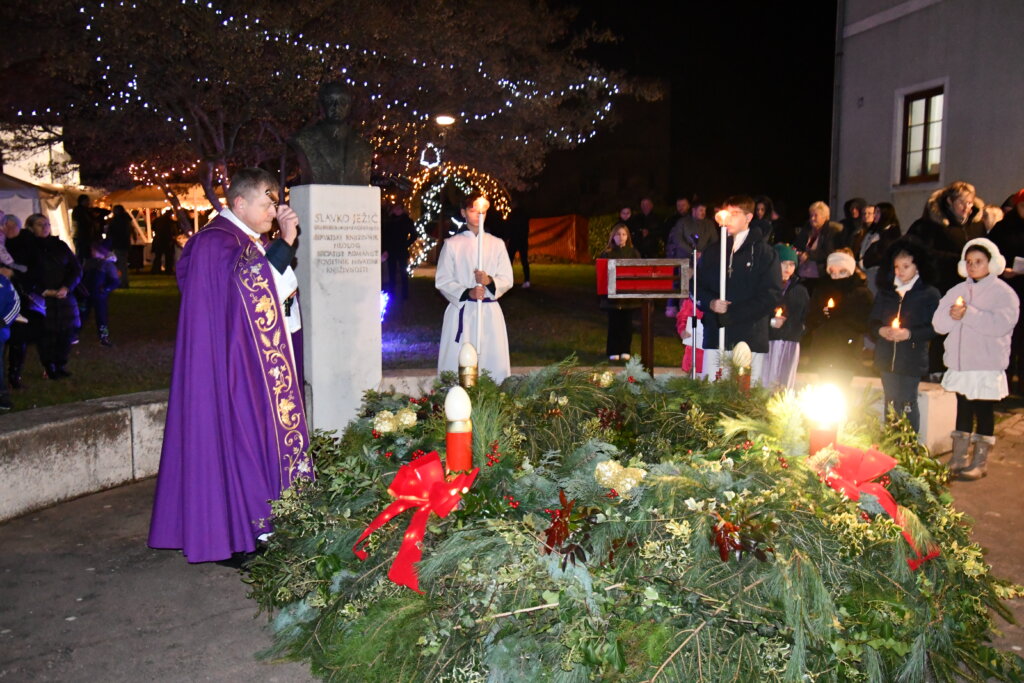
(961, 443)
(979, 467)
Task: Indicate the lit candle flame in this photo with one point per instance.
(831, 303)
(896, 323)
(721, 217)
(778, 312)
(481, 204)
(959, 301)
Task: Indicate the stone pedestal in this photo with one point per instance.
(339, 294)
(938, 416)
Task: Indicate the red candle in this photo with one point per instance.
(821, 438)
(459, 435)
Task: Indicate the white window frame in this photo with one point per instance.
(899, 127)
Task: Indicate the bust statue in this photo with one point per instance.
(330, 152)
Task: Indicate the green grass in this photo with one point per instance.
(556, 317)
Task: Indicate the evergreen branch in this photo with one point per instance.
(699, 629)
(489, 617)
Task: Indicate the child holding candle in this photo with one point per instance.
(837, 319)
(901, 324)
(978, 315)
(620, 311)
(738, 287)
(787, 325)
(691, 331)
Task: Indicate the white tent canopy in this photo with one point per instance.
(22, 199)
(149, 197)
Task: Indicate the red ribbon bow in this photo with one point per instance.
(853, 476)
(420, 484)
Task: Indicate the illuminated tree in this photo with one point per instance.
(227, 82)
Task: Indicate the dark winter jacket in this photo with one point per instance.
(398, 233)
(795, 300)
(944, 238)
(119, 231)
(56, 267)
(837, 337)
(818, 247)
(874, 254)
(100, 278)
(649, 245)
(753, 287)
(915, 310)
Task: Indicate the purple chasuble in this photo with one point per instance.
(236, 432)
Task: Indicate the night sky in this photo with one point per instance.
(751, 90)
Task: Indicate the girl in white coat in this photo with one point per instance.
(978, 316)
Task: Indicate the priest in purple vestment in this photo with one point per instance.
(236, 433)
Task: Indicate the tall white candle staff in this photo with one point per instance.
(695, 240)
(481, 205)
(722, 217)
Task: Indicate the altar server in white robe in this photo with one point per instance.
(459, 280)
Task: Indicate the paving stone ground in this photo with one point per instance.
(83, 599)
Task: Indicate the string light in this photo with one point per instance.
(597, 87)
(427, 187)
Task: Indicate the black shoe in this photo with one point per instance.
(105, 341)
(240, 560)
(236, 561)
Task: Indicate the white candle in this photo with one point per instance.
(481, 205)
(721, 293)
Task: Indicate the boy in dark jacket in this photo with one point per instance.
(753, 285)
(100, 277)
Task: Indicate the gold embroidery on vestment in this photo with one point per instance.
(280, 377)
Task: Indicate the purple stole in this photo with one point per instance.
(270, 336)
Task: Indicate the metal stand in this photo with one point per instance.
(647, 335)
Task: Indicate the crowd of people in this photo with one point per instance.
(937, 299)
(49, 291)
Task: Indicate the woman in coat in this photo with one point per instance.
(978, 316)
(54, 276)
(901, 324)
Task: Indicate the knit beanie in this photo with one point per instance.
(786, 252)
(843, 259)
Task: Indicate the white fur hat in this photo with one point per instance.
(996, 262)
